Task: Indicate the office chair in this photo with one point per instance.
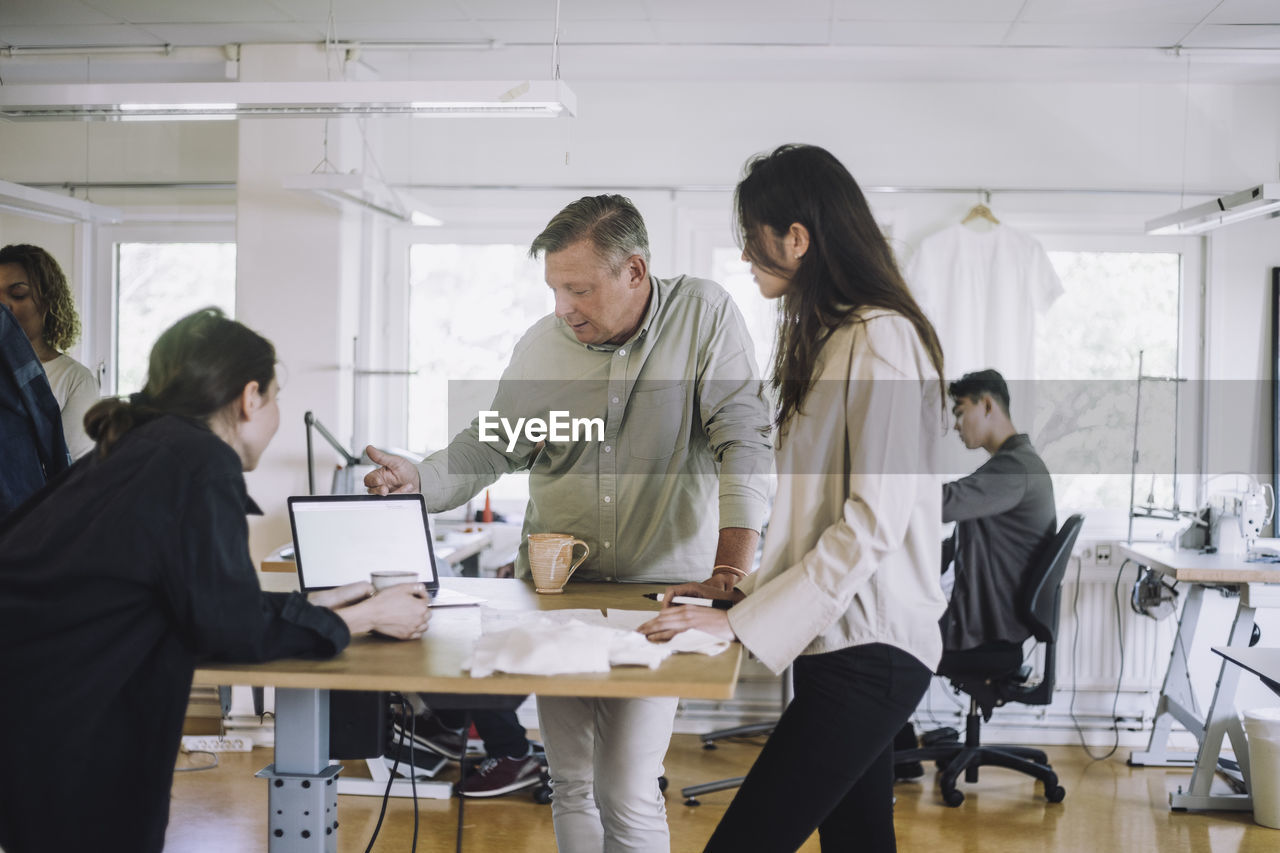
(692, 792)
(991, 682)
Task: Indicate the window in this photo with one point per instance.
(1116, 304)
(468, 306)
(156, 285)
(146, 276)
(734, 274)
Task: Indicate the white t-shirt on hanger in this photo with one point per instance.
(984, 291)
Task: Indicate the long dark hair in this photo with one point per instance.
(847, 268)
(198, 366)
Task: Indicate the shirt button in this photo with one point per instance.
(608, 449)
(607, 544)
(607, 499)
(615, 399)
(622, 352)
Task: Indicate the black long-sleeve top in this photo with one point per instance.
(115, 581)
(1004, 514)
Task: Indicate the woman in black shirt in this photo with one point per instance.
(120, 576)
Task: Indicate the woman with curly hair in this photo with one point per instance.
(34, 288)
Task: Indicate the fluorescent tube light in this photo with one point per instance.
(362, 192)
(180, 112)
(51, 207)
(317, 99)
(1262, 200)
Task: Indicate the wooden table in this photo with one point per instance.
(302, 788)
(1258, 585)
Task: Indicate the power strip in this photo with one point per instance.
(213, 743)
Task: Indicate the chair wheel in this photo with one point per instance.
(952, 798)
(709, 745)
(692, 801)
(1055, 794)
(542, 794)
(662, 783)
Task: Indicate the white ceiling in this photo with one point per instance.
(1236, 40)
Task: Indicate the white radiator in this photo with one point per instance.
(1090, 640)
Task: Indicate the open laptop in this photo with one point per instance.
(340, 539)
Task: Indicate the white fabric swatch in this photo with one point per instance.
(563, 641)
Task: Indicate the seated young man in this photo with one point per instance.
(1004, 513)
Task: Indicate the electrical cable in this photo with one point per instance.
(386, 795)
(213, 755)
(1075, 646)
(406, 711)
(462, 775)
(1115, 699)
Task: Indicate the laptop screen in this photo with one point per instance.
(340, 539)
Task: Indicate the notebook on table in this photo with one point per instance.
(340, 539)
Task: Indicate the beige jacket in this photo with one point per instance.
(854, 543)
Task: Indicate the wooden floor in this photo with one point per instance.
(1109, 806)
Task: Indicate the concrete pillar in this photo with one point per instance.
(298, 279)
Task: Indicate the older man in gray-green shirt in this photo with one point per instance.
(669, 485)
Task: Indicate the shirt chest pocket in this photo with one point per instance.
(656, 425)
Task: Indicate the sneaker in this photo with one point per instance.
(428, 732)
(414, 760)
(501, 776)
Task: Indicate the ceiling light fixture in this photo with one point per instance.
(1262, 200)
(312, 99)
(363, 192)
(51, 207)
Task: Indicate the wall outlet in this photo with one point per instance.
(1102, 554)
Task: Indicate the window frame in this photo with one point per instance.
(102, 331)
(1113, 523)
(394, 396)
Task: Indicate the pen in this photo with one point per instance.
(717, 603)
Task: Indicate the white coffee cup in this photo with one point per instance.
(388, 577)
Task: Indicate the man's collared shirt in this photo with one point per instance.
(684, 449)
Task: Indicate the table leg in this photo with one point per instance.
(302, 799)
(1221, 720)
(1177, 700)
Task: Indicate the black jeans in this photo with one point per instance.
(829, 763)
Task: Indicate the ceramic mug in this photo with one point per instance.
(551, 560)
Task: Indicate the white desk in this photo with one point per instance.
(1258, 585)
(460, 545)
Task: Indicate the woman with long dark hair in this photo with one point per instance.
(848, 591)
(122, 574)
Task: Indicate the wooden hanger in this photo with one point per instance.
(981, 211)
